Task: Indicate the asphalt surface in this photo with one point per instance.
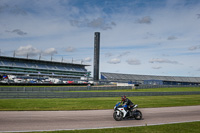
(20, 121)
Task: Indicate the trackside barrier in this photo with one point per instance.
(163, 86)
(44, 89)
(20, 95)
(77, 88)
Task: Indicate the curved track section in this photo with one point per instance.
(24, 121)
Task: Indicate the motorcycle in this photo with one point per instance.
(121, 112)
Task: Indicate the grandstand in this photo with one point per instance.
(34, 69)
(149, 79)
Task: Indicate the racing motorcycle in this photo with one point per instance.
(121, 112)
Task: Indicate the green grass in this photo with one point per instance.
(190, 127)
(96, 103)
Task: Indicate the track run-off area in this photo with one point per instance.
(27, 121)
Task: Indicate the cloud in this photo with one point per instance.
(108, 55)
(163, 61)
(171, 38)
(133, 62)
(114, 61)
(198, 16)
(192, 48)
(18, 32)
(88, 59)
(70, 49)
(95, 23)
(145, 20)
(156, 67)
(50, 51)
(27, 50)
(12, 9)
(124, 54)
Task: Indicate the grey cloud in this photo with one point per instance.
(3, 8)
(133, 62)
(15, 10)
(171, 38)
(114, 61)
(75, 23)
(108, 54)
(163, 61)
(145, 20)
(124, 54)
(194, 47)
(95, 23)
(198, 16)
(18, 32)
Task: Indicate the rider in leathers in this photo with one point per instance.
(126, 101)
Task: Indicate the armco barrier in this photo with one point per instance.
(18, 95)
(79, 88)
(44, 89)
(163, 86)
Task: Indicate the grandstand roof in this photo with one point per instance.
(135, 77)
(42, 61)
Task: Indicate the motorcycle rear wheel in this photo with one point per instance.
(118, 117)
(139, 115)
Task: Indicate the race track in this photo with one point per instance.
(11, 121)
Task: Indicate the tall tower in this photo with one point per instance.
(96, 55)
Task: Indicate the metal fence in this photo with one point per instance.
(44, 89)
(163, 86)
(66, 92)
(78, 88)
(17, 95)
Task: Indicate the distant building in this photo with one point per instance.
(149, 79)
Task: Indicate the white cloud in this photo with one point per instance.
(70, 49)
(156, 67)
(114, 61)
(50, 51)
(27, 50)
(88, 59)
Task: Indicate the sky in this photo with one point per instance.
(147, 37)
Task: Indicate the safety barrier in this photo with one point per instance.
(42, 89)
(17, 95)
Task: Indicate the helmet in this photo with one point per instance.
(123, 98)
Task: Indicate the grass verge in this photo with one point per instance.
(190, 127)
(95, 103)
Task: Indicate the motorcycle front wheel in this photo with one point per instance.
(118, 117)
(138, 115)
